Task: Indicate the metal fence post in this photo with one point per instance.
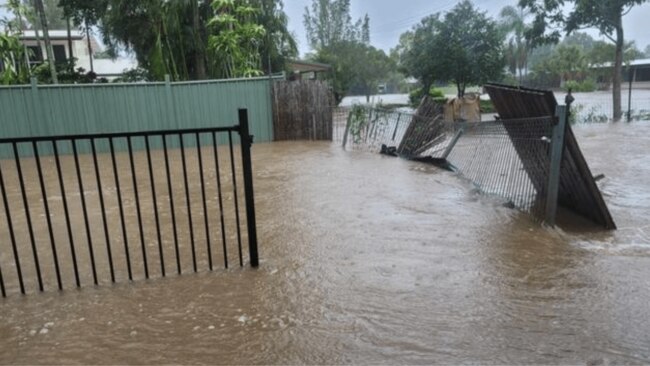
(246, 142)
(557, 148)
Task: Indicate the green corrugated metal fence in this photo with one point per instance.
(46, 110)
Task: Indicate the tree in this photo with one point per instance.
(606, 16)
(279, 45)
(329, 22)
(236, 42)
(12, 68)
(465, 47)
(40, 10)
(338, 41)
(168, 38)
(513, 22)
(647, 51)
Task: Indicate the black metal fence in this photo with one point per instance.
(104, 208)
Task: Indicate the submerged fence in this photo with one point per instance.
(532, 163)
(80, 219)
(483, 152)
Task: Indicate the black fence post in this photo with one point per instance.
(246, 142)
(557, 149)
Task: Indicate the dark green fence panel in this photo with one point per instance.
(50, 110)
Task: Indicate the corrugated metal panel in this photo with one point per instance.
(103, 108)
(578, 190)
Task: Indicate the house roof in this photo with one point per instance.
(54, 34)
(641, 63)
(306, 66)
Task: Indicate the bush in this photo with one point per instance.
(580, 86)
(416, 96)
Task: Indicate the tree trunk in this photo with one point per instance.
(199, 57)
(46, 35)
(69, 28)
(90, 49)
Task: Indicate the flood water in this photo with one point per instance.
(372, 259)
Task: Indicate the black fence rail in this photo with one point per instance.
(123, 207)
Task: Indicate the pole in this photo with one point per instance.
(632, 76)
(557, 148)
(246, 142)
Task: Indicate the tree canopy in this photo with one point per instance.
(186, 39)
(464, 47)
(345, 45)
(606, 16)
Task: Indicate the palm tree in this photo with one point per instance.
(513, 22)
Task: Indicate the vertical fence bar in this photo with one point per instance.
(102, 205)
(203, 199)
(171, 204)
(247, 166)
(399, 116)
(121, 208)
(218, 174)
(155, 206)
(2, 284)
(85, 210)
(187, 200)
(28, 216)
(137, 207)
(234, 188)
(48, 218)
(557, 148)
(66, 212)
(12, 235)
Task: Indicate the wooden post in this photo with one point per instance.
(557, 149)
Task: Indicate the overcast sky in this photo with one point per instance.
(390, 18)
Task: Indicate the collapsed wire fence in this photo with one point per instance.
(488, 154)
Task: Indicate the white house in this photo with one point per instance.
(80, 50)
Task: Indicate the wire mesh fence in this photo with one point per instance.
(488, 154)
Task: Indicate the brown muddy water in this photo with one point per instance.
(371, 259)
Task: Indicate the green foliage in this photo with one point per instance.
(416, 96)
(587, 85)
(191, 39)
(344, 45)
(235, 44)
(606, 16)
(67, 73)
(329, 23)
(13, 68)
(514, 25)
(358, 121)
(134, 75)
(467, 45)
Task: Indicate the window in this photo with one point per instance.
(59, 53)
(35, 56)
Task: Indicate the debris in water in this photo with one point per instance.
(133, 333)
(243, 319)
(44, 331)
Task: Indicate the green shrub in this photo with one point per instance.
(416, 96)
(587, 85)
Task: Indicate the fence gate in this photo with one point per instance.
(104, 208)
